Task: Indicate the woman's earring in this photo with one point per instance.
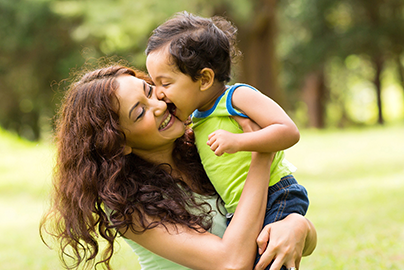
(127, 150)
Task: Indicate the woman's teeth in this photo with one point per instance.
(165, 122)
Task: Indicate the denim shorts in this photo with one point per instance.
(284, 198)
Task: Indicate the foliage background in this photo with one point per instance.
(336, 66)
(329, 63)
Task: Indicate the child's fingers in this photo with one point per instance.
(213, 145)
(211, 135)
(211, 140)
(218, 152)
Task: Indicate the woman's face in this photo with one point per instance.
(145, 120)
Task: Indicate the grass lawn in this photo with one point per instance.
(355, 180)
(25, 179)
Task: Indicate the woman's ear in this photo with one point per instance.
(127, 150)
(207, 78)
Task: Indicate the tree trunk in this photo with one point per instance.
(378, 62)
(259, 65)
(314, 95)
(400, 70)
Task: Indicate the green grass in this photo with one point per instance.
(355, 180)
(25, 180)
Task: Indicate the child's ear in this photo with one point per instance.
(207, 78)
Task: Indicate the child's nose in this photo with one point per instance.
(160, 94)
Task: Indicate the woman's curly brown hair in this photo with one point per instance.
(98, 191)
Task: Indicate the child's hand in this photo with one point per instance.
(222, 141)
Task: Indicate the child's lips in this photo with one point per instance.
(171, 108)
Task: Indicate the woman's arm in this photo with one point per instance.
(237, 248)
(286, 241)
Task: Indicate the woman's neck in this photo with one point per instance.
(157, 156)
(165, 156)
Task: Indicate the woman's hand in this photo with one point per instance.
(285, 242)
(246, 124)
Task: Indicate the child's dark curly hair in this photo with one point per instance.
(195, 43)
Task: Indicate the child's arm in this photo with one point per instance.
(278, 131)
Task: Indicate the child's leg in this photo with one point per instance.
(284, 198)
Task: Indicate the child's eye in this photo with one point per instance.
(165, 84)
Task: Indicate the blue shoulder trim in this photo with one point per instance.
(229, 104)
(203, 114)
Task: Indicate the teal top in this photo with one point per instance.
(150, 261)
(229, 171)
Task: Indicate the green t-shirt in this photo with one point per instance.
(229, 171)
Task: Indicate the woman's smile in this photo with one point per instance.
(167, 122)
(147, 122)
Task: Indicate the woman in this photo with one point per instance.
(126, 166)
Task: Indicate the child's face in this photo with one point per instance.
(176, 88)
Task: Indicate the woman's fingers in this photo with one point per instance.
(263, 239)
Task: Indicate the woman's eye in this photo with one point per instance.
(141, 114)
(149, 94)
(165, 84)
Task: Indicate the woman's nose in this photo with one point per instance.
(160, 106)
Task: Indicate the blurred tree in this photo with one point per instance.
(289, 47)
(317, 31)
(122, 27)
(35, 50)
(256, 21)
(308, 41)
(377, 31)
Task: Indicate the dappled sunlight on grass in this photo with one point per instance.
(356, 194)
(25, 181)
(21, 246)
(355, 180)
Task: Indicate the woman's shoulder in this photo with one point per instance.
(150, 260)
(218, 213)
